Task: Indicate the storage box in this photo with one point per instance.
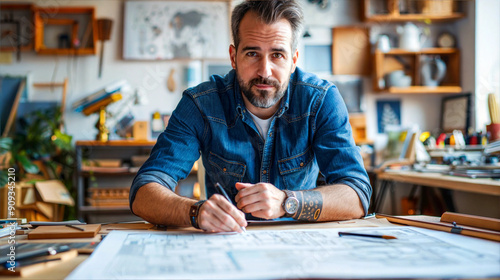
(140, 130)
(44, 201)
(436, 7)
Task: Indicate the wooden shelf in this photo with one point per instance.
(117, 143)
(411, 62)
(91, 209)
(425, 90)
(92, 170)
(421, 10)
(413, 17)
(82, 38)
(424, 51)
(17, 11)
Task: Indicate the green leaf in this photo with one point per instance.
(27, 165)
(5, 145)
(3, 178)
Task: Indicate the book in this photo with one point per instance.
(17, 220)
(79, 105)
(6, 229)
(54, 232)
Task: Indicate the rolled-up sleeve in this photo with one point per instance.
(338, 157)
(176, 149)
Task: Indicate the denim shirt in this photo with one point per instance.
(309, 133)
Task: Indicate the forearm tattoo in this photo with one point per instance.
(310, 206)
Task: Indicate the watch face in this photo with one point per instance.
(291, 205)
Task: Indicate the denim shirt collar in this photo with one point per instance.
(240, 104)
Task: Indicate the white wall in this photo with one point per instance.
(487, 58)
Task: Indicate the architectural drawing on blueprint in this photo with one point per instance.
(269, 254)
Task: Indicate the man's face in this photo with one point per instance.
(264, 60)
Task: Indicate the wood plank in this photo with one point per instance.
(60, 21)
(438, 180)
(13, 111)
(414, 17)
(425, 90)
(351, 51)
(69, 51)
(116, 143)
(397, 51)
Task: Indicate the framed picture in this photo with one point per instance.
(157, 30)
(388, 113)
(455, 113)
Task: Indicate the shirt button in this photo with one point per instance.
(264, 172)
(224, 169)
(301, 164)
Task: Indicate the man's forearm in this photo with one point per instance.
(329, 203)
(159, 205)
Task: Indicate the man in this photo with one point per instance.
(264, 132)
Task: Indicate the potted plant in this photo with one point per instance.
(39, 149)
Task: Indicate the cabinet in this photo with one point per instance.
(411, 10)
(16, 27)
(411, 63)
(65, 30)
(104, 174)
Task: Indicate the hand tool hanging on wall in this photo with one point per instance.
(103, 34)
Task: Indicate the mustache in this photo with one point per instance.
(265, 81)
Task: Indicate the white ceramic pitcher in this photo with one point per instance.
(411, 37)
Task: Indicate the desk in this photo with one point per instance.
(436, 180)
(62, 270)
(333, 256)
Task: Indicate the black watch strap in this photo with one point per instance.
(193, 213)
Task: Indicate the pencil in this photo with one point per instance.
(366, 235)
(221, 191)
(76, 227)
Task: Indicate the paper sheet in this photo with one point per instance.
(417, 253)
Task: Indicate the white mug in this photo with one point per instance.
(383, 43)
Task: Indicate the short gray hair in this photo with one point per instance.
(269, 11)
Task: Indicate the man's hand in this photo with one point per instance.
(219, 215)
(262, 200)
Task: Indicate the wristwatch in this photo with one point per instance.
(193, 213)
(290, 204)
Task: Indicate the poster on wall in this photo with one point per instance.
(388, 113)
(157, 30)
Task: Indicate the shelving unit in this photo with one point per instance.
(16, 27)
(111, 180)
(416, 10)
(410, 62)
(76, 24)
(107, 178)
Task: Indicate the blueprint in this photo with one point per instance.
(273, 254)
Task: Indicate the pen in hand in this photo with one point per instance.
(222, 192)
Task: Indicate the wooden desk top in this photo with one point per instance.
(438, 180)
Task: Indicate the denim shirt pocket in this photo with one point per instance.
(295, 170)
(226, 172)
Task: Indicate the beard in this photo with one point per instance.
(262, 98)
